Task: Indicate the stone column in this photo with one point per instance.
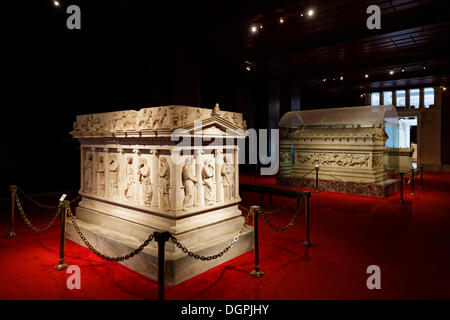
(122, 172)
(154, 167)
(218, 168)
(421, 98)
(407, 99)
(381, 98)
(94, 170)
(106, 162)
(177, 195)
(200, 195)
(394, 97)
(137, 192)
(83, 156)
(236, 172)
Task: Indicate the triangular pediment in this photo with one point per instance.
(214, 127)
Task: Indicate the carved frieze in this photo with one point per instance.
(336, 159)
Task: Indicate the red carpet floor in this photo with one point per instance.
(410, 243)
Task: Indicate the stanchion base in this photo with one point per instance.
(61, 266)
(256, 274)
(11, 234)
(307, 243)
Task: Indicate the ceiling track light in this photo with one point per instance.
(310, 12)
(366, 75)
(56, 3)
(281, 20)
(391, 72)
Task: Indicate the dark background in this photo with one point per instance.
(134, 54)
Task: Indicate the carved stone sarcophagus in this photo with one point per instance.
(347, 148)
(171, 168)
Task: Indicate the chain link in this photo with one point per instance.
(243, 208)
(98, 253)
(288, 226)
(218, 255)
(45, 206)
(75, 200)
(28, 222)
(290, 203)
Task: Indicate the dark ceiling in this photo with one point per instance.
(334, 42)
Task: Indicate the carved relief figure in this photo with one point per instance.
(158, 118)
(285, 156)
(228, 178)
(129, 122)
(184, 116)
(208, 181)
(164, 182)
(88, 172)
(100, 176)
(144, 179)
(189, 181)
(244, 125)
(129, 183)
(377, 160)
(114, 177)
(142, 119)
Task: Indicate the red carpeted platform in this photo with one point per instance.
(410, 243)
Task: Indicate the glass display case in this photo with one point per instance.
(354, 149)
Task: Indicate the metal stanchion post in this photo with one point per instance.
(317, 177)
(412, 181)
(421, 177)
(13, 190)
(307, 242)
(161, 238)
(401, 187)
(63, 205)
(257, 273)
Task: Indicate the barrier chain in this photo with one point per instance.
(45, 206)
(290, 203)
(288, 226)
(28, 222)
(99, 254)
(218, 255)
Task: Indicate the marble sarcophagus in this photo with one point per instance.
(347, 146)
(171, 168)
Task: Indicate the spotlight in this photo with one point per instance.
(424, 67)
(444, 88)
(310, 12)
(260, 25)
(253, 28)
(391, 72)
(403, 69)
(362, 95)
(248, 68)
(56, 3)
(366, 75)
(341, 78)
(281, 20)
(324, 79)
(301, 14)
